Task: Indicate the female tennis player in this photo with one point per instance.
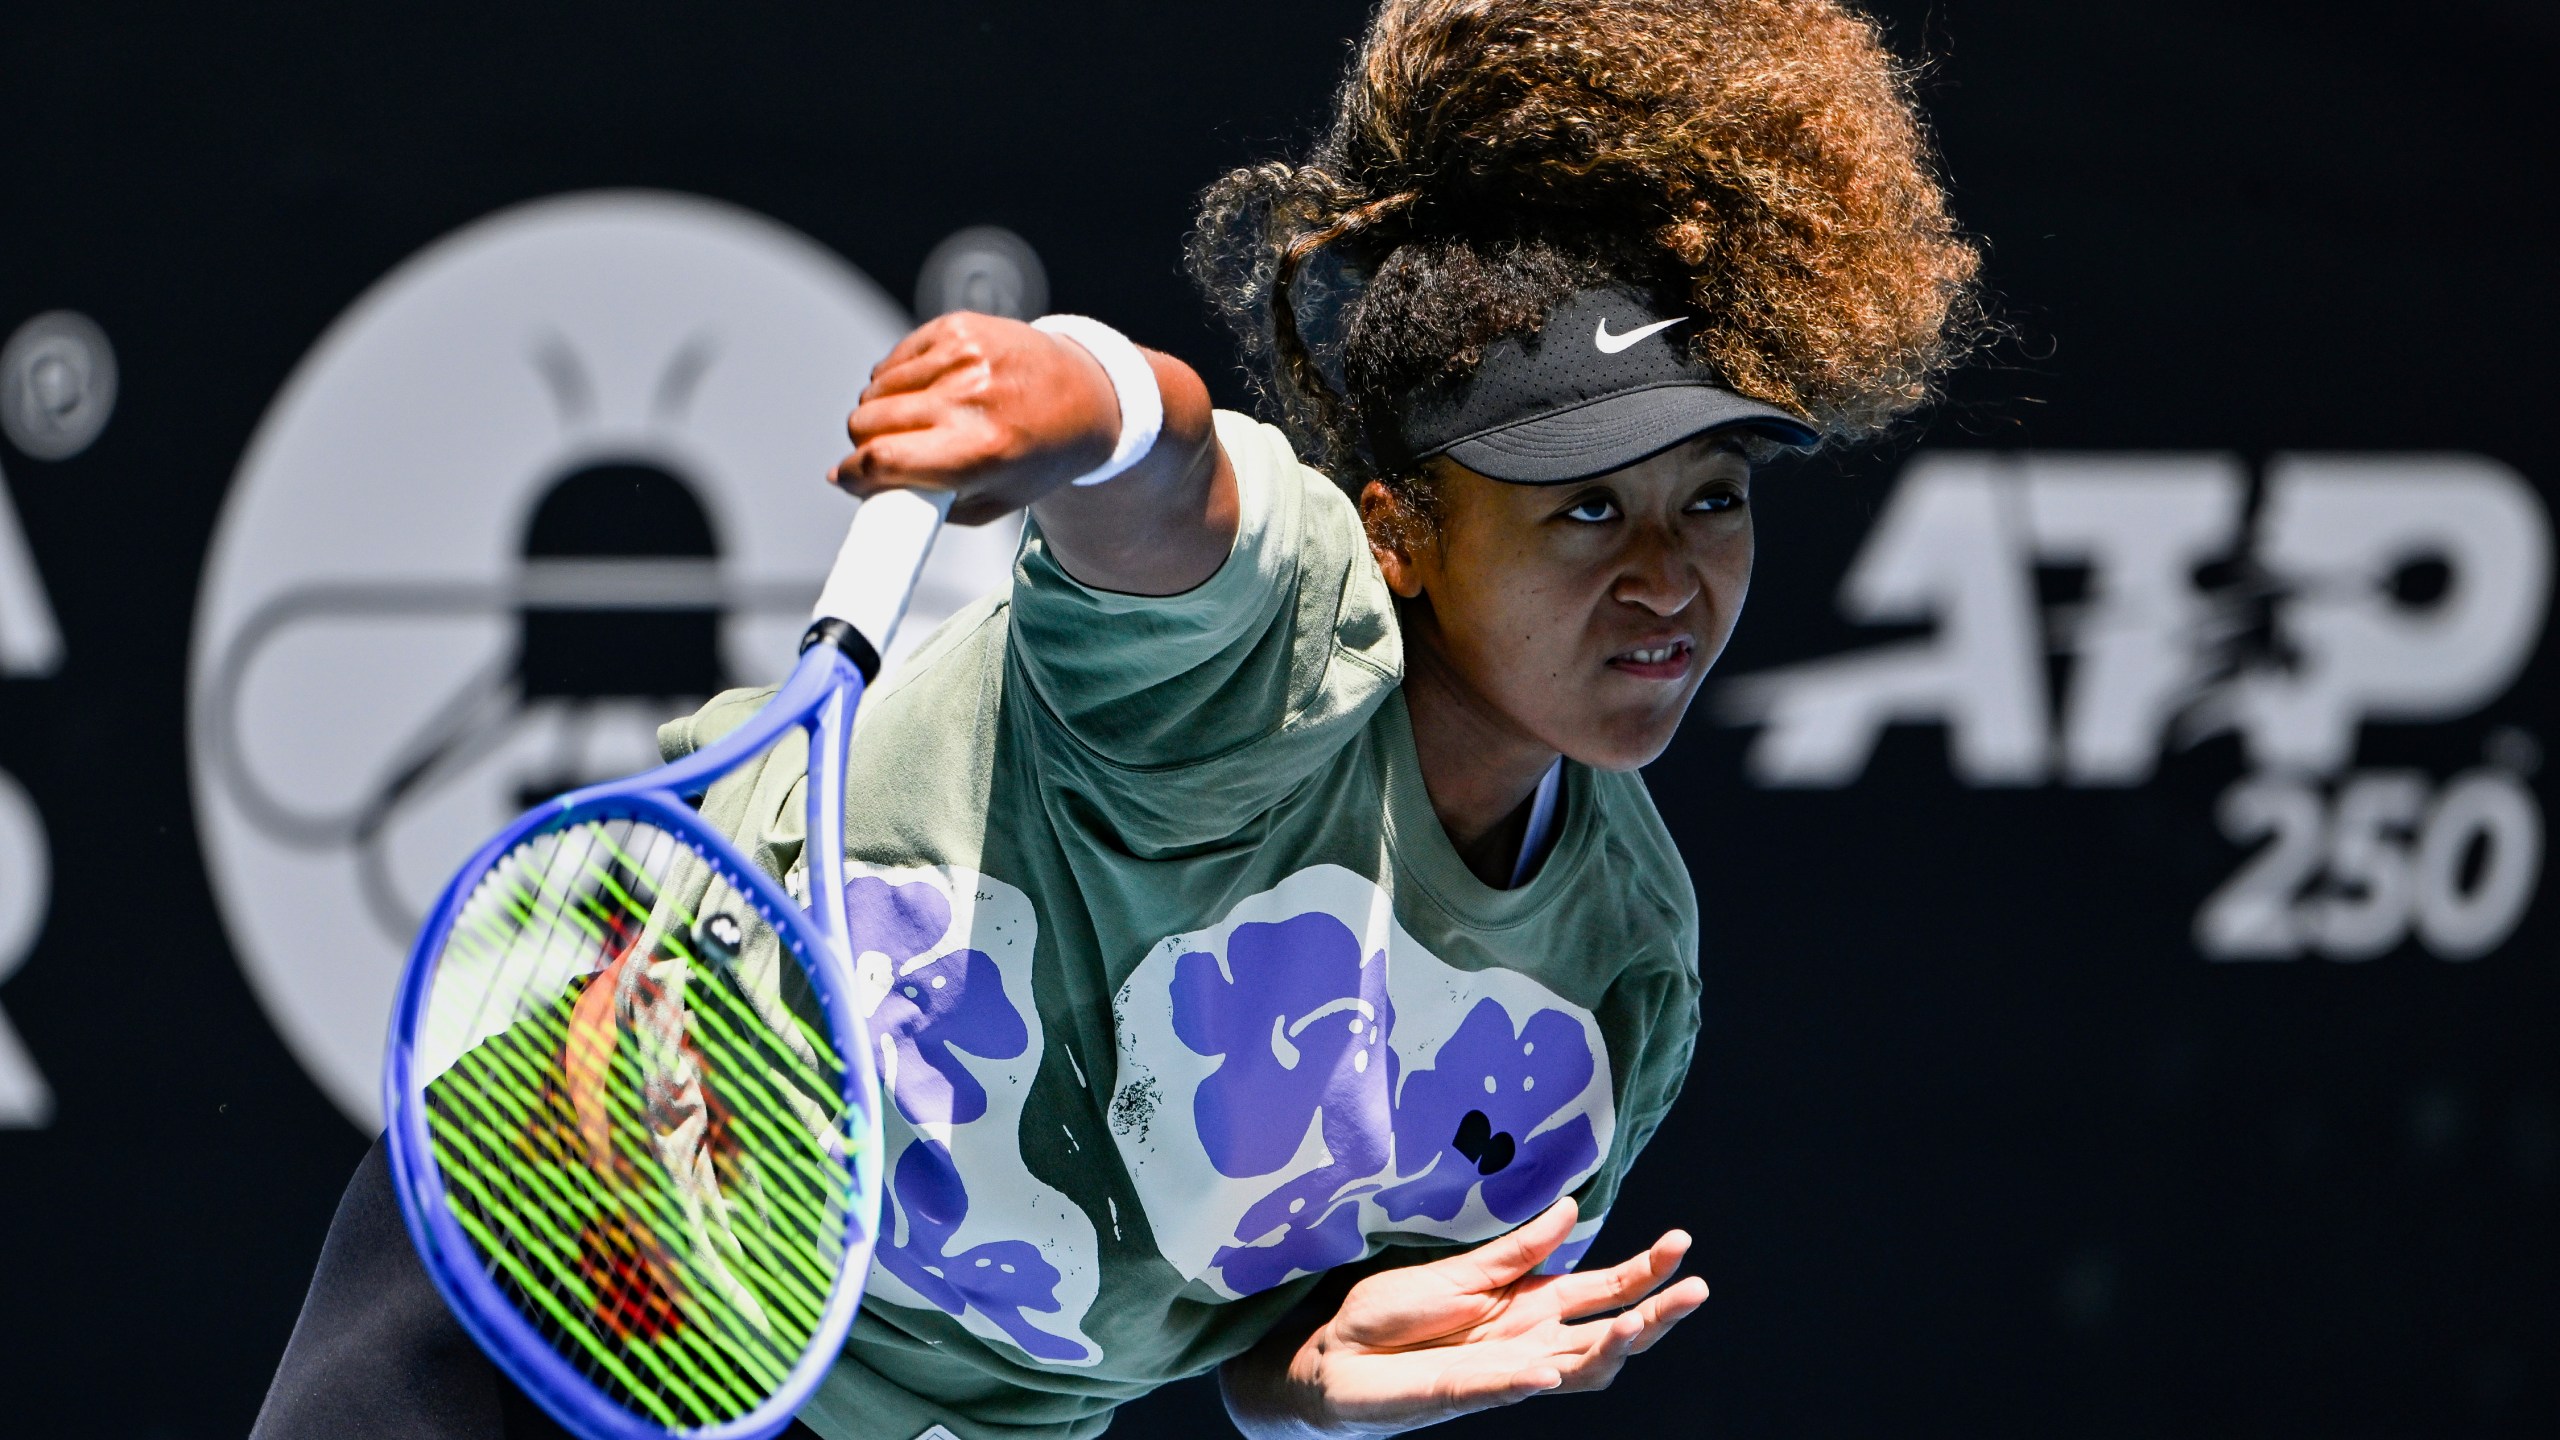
(1279, 962)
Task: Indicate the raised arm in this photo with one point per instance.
(1004, 415)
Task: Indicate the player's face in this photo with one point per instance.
(1588, 613)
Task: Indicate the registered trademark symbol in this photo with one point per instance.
(57, 385)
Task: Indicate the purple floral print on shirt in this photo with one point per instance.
(1472, 1118)
(955, 1001)
(1001, 1279)
(1301, 1028)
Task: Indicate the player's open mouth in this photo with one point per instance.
(1666, 660)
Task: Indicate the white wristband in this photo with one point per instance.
(1132, 379)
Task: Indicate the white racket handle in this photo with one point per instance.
(884, 551)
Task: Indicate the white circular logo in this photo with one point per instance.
(555, 479)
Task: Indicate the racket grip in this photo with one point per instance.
(875, 571)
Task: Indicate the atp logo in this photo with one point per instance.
(552, 481)
(2339, 593)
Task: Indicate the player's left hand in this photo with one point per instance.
(1414, 1346)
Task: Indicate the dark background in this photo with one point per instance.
(1976, 1143)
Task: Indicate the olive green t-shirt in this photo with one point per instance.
(1184, 996)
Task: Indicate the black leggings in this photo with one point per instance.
(376, 1353)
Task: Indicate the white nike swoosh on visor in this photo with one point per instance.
(1611, 344)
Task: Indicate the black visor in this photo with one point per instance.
(1604, 383)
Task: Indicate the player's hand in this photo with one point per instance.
(990, 409)
(1426, 1343)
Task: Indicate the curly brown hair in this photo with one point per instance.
(1760, 160)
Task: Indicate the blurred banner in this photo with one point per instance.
(2121, 822)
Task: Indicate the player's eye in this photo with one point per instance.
(1716, 502)
(1593, 510)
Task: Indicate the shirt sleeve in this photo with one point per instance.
(1229, 694)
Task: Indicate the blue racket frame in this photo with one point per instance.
(820, 698)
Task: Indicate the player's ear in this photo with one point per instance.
(1394, 534)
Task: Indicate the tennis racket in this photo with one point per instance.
(633, 1124)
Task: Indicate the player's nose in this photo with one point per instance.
(1655, 574)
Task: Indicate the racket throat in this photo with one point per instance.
(827, 630)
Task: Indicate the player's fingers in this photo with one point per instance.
(904, 375)
(914, 343)
(1665, 1310)
(956, 342)
(1500, 1262)
(931, 459)
(887, 414)
(1599, 1349)
(1591, 1291)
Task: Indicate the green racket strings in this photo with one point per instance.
(639, 1123)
